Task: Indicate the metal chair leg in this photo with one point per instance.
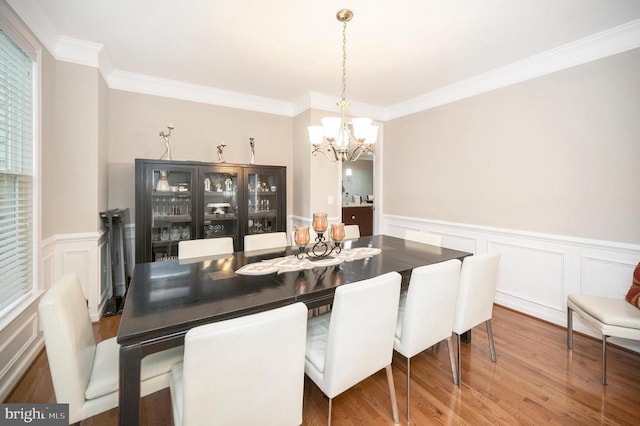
(459, 360)
(569, 328)
(392, 394)
(492, 347)
(604, 359)
(408, 384)
(454, 370)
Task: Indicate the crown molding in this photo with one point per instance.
(78, 51)
(597, 46)
(150, 85)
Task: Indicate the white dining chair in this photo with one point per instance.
(355, 339)
(85, 375)
(243, 371)
(190, 249)
(423, 237)
(425, 314)
(612, 317)
(478, 280)
(265, 241)
(351, 232)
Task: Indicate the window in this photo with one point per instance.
(16, 173)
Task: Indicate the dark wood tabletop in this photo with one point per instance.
(166, 299)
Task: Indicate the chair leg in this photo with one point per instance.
(492, 347)
(569, 328)
(604, 359)
(459, 359)
(408, 384)
(392, 394)
(454, 370)
(329, 418)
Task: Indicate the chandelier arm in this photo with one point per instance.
(320, 149)
(356, 153)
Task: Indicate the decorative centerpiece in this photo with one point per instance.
(321, 249)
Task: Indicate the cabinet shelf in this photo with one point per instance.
(172, 218)
(263, 213)
(165, 243)
(227, 216)
(167, 194)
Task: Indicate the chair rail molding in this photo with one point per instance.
(538, 271)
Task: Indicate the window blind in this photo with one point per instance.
(16, 173)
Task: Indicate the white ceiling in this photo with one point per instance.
(283, 49)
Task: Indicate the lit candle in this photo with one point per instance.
(319, 222)
(337, 232)
(301, 236)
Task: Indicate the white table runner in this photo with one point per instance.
(292, 263)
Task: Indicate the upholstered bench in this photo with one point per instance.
(612, 317)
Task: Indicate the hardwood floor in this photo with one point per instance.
(535, 380)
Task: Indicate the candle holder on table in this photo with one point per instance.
(321, 249)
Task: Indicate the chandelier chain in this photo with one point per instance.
(344, 60)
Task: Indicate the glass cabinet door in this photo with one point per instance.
(264, 201)
(171, 211)
(220, 196)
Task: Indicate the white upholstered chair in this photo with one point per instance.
(189, 249)
(425, 314)
(611, 317)
(243, 371)
(423, 237)
(355, 339)
(478, 280)
(265, 241)
(351, 232)
(85, 374)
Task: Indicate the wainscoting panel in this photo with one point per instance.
(82, 254)
(605, 277)
(531, 274)
(21, 342)
(18, 338)
(537, 271)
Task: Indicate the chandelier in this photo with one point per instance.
(345, 140)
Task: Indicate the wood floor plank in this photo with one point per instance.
(536, 380)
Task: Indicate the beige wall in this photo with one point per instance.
(135, 121)
(559, 154)
(48, 157)
(302, 164)
(103, 145)
(72, 151)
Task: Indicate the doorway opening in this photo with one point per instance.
(358, 200)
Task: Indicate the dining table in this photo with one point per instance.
(166, 299)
